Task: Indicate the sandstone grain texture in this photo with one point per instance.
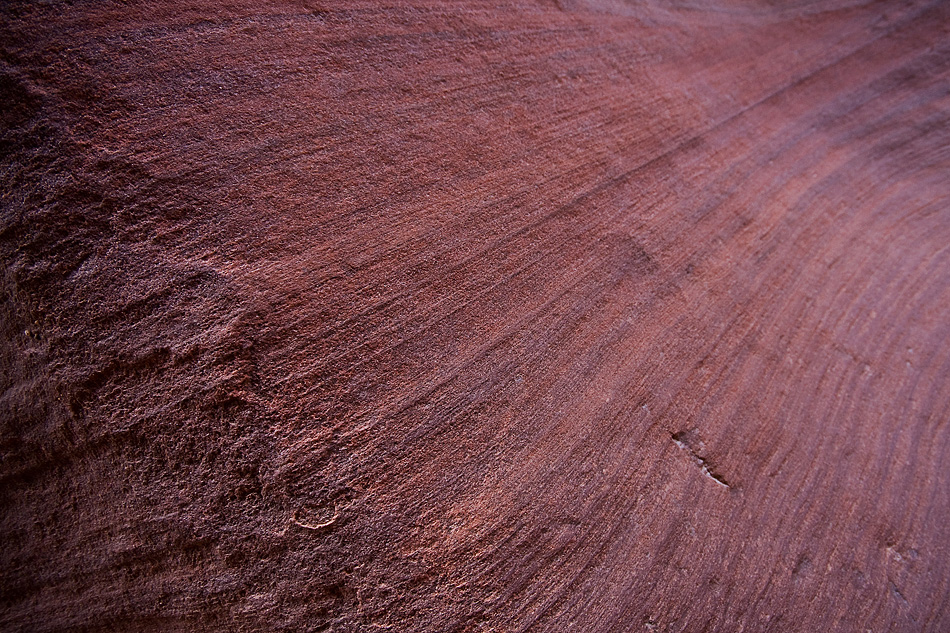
(588, 315)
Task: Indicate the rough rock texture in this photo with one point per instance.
(435, 316)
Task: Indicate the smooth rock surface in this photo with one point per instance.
(579, 315)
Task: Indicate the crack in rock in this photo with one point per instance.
(689, 442)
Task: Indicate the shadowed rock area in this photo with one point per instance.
(592, 315)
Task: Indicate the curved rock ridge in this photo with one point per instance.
(578, 315)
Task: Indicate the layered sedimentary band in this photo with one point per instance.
(438, 316)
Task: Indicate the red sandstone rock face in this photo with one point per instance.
(567, 316)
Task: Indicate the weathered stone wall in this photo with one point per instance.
(456, 316)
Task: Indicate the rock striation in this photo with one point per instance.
(579, 315)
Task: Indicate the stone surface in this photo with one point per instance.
(437, 316)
